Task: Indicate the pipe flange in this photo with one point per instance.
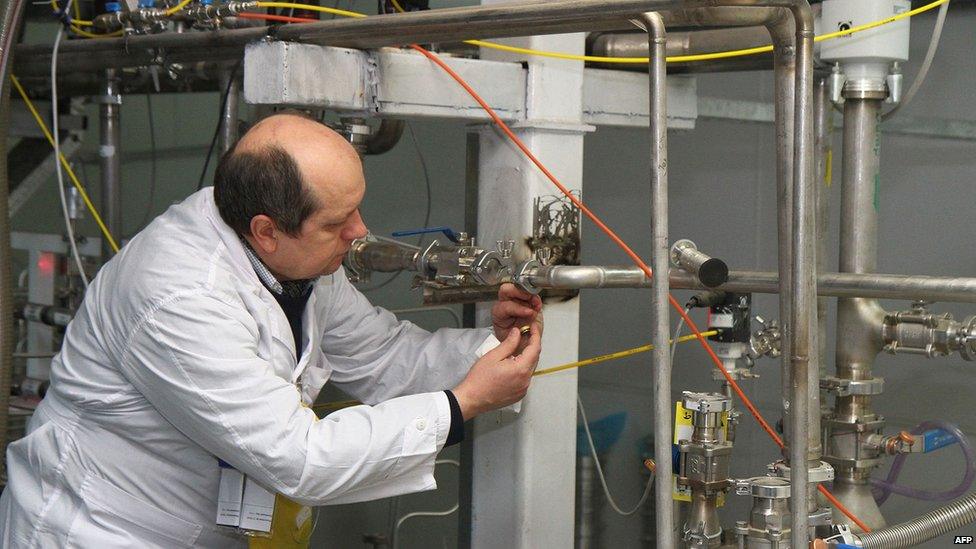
(520, 276)
(850, 387)
(489, 268)
(677, 248)
(821, 517)
(705, 403)
(821, 473)
(840, 426)
(770, 488)
(967, 346)
(865, 88)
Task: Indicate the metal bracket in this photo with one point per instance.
(556, 227)
(849, 387)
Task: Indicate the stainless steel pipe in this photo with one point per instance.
(452, 24)
(879, 286)
(823, 130)
(858, 319)
(230, 86)
(110, 136)
(629, 44)
(803, 283)
(660, 263)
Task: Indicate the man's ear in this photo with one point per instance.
(264, 234)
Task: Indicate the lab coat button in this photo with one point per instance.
(421, 424)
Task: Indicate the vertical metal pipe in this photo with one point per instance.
(858, 320)
(110, 135)
(230, 84)
(823, 130)
(13, 12)
(784, 77)
(660, 317)
(803, 350)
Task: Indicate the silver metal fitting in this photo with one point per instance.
(766, 341)
(894, 82)
(705, 403)
(770, 488)
(520, 276)
(711, 272)
(920, 332)
(821, 473)
(849, 387)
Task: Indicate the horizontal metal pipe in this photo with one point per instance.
(83, 61)
(630, 44)
(441, 25)
(881, 286)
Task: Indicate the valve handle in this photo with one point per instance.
(448, 232)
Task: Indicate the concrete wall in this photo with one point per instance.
(722, 196)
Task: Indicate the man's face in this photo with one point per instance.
(327, 234)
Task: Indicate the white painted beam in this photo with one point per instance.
(402, 83)
(621, 98)
(387, 82)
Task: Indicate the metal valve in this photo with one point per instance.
(505, 247)
(918, 331)
(711, 272)
(766, 341)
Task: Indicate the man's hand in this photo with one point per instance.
(501, 377)
(516, 308)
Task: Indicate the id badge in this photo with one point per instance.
(243, 503)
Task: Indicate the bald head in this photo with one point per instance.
(311, 144)
(286, 166)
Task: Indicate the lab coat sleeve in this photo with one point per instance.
(196, 361)
(374, 357)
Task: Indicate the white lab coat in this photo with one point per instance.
(179, 355)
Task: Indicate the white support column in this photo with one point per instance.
(524, 465)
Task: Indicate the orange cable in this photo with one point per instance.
(617, 240)
(637, 260)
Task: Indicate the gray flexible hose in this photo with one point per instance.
(923, 71)
(957, 514)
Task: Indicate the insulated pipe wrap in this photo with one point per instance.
(928, 526)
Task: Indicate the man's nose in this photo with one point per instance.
(356, 229)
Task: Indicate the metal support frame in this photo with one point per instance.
(795, 178)
(660, 263)
(520, 495)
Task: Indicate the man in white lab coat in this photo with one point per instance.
(205, 339)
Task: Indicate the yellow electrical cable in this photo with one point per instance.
(618, 354)
(579, 364)
(67, 167)
(310, 7)
(177, 7)
(695, 57)
(74, 20)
